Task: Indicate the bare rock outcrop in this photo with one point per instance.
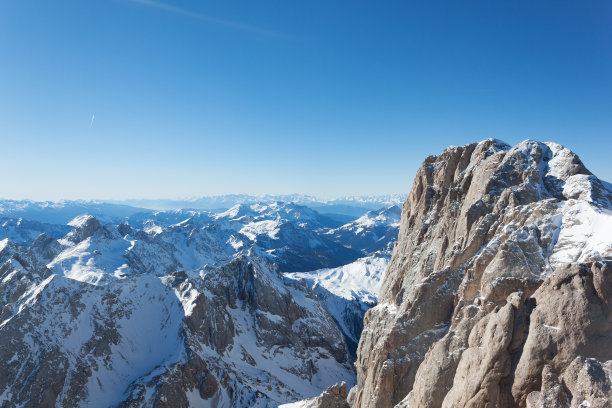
(332, 397)
(501, 275)
(584, 383)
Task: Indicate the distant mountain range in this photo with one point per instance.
(343, 209)
(295, 237)
(350, 205)
(227, 295)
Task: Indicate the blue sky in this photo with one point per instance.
(194, 98)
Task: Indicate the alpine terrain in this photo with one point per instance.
(499, 290)
(491, 287)
(181, 308)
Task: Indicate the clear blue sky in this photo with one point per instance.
(329, 98)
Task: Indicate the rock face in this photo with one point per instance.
(584, 383)
(332, 397)
(499, 289)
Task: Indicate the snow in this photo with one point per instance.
(80, 220)
(187, 295)
(153, 229)
(74, 316)
(389, 217)
(579, 229)
(298, 404)
(150, 336)
(584, 234)
(387, 308)
(120, 288)
(372, 218)
(266, 227)
(358, 280)
(348, 291)
(92, 260)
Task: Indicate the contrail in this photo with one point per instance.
(214, 20)
(92, 119)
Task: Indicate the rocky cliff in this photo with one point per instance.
(499, 289)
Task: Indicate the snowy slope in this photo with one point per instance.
(372, 232)
(348, 291)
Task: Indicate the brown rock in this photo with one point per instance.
(332, 397)
(473, 311)
(584, 383)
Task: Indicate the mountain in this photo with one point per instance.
(498, 291)
(61, 212)
(374, 231)
(338, 208)
(233, 335)
(348, 291)
(181, 307)
(295, 237)
(24, 232)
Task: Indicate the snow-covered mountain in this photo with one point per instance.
(60, 212)
(180, 307)
(234, 335)
(261, 304)
(348, 291)
(295, 237)
(351, 206)
(371, 232)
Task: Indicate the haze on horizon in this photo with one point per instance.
(121, 99)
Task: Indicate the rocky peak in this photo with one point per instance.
(484, 227)
(45, 248)
(20, 269)
(85, 226)
(11, 252)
